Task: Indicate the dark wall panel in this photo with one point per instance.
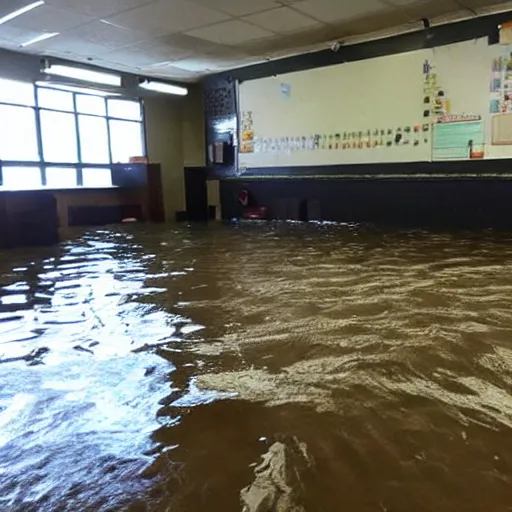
(406, 202)
(221, 122)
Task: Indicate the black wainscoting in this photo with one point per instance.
(402, 202)
(28, 219)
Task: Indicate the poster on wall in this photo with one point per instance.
(501, 84)
(247, 135)
(458, 137)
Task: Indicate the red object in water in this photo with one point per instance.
(256, 213)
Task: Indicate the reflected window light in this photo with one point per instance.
(95, 177)
(21, 178)
(61, 177)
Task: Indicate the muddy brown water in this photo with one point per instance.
(150, 368)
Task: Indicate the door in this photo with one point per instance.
(196, 194)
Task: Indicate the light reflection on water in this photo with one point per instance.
(142, 367)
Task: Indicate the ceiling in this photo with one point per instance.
(186, 39)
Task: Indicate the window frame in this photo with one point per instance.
(80, 164)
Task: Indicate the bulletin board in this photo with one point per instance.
(453, 102)
(370, 111)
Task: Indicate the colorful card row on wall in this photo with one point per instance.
(368, 139)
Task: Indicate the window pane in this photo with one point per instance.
(60, 177)
(52, 98)
(58, 132)
(21, 93)
(18, 138)
(125, 140)
(90, 105)
(21, 178)
(97, 177)
(124, 109)
(93, 139)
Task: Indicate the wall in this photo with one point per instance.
(175, 139)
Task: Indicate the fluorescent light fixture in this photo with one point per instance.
(165, 88)
(38, 39)
(19, 12)
(79, 90)
(86, 75)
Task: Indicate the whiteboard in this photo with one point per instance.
(282, 117)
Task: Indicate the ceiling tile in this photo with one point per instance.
(98, 8)
(168, 16)
(65, 44)
(239, 7)
(282, 20)
(196, 64)
(50, 19)
(231, 33)
(146, 54)
(332, 11)
(17, 35)
(175, 74)
(107, 35)
(198, 47)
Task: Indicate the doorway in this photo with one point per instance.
(196, 194)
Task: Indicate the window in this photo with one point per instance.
(65, 137)
(19, 93)
(90, 105)
(124, 109)
(58, 132)
(95, 177)
(21, 178)
(93, 139)
(126, 140)
(55, 99)
(18, 134)
(60, 177)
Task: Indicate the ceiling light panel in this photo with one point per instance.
(164, 88)
(49, 19)
(14, 10)
(83, 74)
(39, 39)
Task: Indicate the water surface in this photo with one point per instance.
(150, 368)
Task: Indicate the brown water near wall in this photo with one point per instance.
(151, 368)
